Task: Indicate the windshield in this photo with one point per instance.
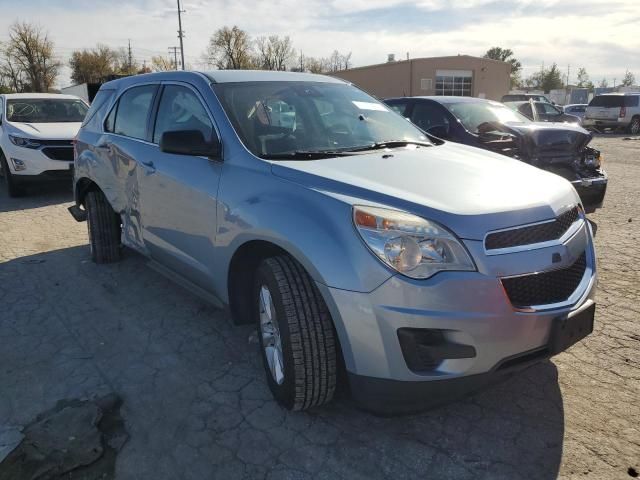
(614, 101)
(45, 110)
(474, 114)
(287, 117)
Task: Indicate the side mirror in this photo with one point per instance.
(440, 131)
(189, 142)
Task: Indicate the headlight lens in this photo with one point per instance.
(24, 142)
(413, 246)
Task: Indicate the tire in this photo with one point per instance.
(104, 228)
(634, 126)
(305, 331)
(13, 189)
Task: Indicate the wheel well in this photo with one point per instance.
(242, 269)
(84, 186)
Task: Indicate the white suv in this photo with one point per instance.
(36, 137)
(614, 110)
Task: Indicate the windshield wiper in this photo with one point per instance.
(305, 155)
(388, 144)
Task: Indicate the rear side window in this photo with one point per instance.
(398, 106)
(631, 100)
(130, 116)
(181, 109)
(99, 103)
(607, 101)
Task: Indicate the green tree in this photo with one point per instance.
(583, 79)
(546, 79)
(506, 55)
(92, 65)
(629, 79)
(603, 83)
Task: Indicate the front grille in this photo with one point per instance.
(531, 234)
(545, 288)
(59, 153)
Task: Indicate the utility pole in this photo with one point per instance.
(180, 33)
(568, 66)
(130, 58)
(175, 56)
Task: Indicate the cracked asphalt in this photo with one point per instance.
(196, 404)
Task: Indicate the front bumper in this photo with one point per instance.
(592, 191)
(470, 308)
(606, 123)
(35, 163)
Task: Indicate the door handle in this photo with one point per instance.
(149, 166)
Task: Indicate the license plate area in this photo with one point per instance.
(570, 329)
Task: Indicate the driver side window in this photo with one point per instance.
(181, 109)
(427, 115)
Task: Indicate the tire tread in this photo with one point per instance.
(312, 335)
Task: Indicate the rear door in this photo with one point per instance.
(121, 148)
(178, 193)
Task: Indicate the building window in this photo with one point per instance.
(426, 83)
(454, 83)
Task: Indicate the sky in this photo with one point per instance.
(600, 36)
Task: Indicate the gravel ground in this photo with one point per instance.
(196, 404)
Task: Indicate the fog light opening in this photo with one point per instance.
(18, 164)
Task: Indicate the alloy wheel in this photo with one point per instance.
(271, 342)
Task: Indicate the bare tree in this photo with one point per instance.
(629, 79)
(162, 64)
(11, 74)
(317, 65)
(30, 53)
(92, 66)
(274, 53)
(230, 48)
(124, 64)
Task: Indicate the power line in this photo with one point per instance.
(180, 33)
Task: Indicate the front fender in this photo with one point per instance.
(315, 228)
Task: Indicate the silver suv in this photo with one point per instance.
(353, 241)
(614, 110)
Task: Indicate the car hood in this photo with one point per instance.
(469, 190)
(552, 137)
(46, 131)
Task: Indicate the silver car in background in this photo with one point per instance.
(618, 111)
(354, 242)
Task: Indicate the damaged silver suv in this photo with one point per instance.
(354, 242)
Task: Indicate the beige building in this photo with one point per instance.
(460, 75)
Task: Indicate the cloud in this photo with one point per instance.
(592, 33)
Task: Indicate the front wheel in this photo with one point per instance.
(104, 228)
(297, 339)
(13, 189)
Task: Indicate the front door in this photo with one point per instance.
(178, 193)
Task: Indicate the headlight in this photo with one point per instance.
(24, 142)
(413, 246)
